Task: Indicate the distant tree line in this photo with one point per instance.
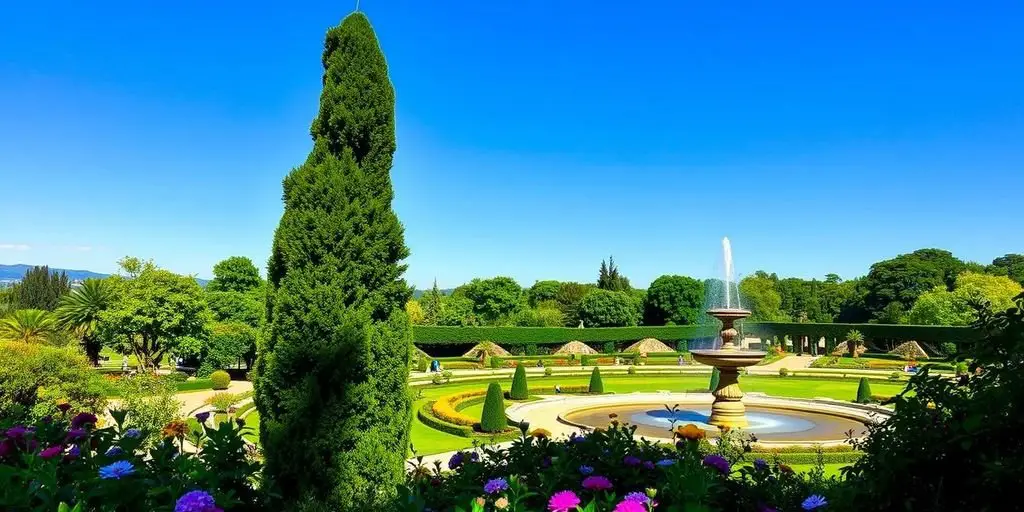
(927, 287)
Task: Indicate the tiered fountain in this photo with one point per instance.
(727, 409)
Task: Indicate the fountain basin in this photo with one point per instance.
(728, 358)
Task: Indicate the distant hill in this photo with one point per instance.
(14, 273)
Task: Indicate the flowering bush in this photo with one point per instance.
(611, 470)
(66, 461)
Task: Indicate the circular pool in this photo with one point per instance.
(766, 423)
(773, 420)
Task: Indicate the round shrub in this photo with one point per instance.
(783, 372)
(631, 370)
(34, 378)
(609, 347)
(547, 372)
(493, 417)
(948, 348)
(596, 385)
(864, 391)
(715, 377)
(894, 376)
(519, 391)
(961, 368)
(220, 379)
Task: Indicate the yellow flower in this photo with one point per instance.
(541, 433)
(176, 428)
(690, 432)
(480, 501)
(501, 503)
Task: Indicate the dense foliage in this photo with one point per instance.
(603, 308)
(331, 385)
(676, 300)
(941, 306)
(39, 289)
(492, 418)
(952, 442)
(80, 311)
(520, 390)
(35, 378)
(235, 274)
(609, 278)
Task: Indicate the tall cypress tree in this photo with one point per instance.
(331, 386)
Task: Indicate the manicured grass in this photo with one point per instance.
(429, 441)
(252, 421)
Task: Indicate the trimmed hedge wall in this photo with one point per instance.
(428, 419)
(510, 336)
(925, 333)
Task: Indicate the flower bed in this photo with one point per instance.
(611, 470)
(446, 408)
(66, 461)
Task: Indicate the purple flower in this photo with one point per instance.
(117, 470)
(630, 506)
(7, 447)
(73, 453)
(75, 434)
(760, 464)
(114, 451)
(586, 470)
(83, 419)
(596, 483)
(648, 464)
(637, 496)
(474, 457)
(664, 463)
(18, 431)
(457, 459)
(545, 462)
(563, 501)
(631, 461)
(133, 433)
(814, 501)
(195, 501)
(577, 439)
(201, 417)
(496, 485)
(718, 462)
(50, 452)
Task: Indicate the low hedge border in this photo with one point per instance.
(805, 457)
(921, 333)
(425, 414)
(446, 408)
(512, 336)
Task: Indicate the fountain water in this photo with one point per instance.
(727, 409)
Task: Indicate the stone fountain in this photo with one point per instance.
(728, 410)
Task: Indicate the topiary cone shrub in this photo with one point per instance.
(493, 417)
(864, 391)
(519, 391)
(596, 385)
(715, 377)
(220, 379)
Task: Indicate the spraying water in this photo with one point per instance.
(727, 252)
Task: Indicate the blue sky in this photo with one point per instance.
(535, 137)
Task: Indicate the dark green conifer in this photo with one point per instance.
(331, 380)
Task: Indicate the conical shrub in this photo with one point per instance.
(715, 377)
(493, 417)
(520, 391)
(864, 391)
(596, 385)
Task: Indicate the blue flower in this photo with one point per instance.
(456, 460)
(813, 502)
(496, 485)
(718, 462)
(637, 496)
(760, 464)
(133, 433)
(195, 501)
(114, 451)
(577, 439)
(631, 460)
(201, 417)
(666, 462)
(117, 470)
(586, 470)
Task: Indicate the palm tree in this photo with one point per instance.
(854, 339)
(28, 325)
(79, 312)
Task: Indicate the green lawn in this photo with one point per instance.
(428, 441)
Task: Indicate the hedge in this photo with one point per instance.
(493, 418)
(510, 336)
(807, 457)
(924, 333)
(428, 419)
(446, 408)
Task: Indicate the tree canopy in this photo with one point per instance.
(892, 286)
(235, 274)
(940, 306)
(1010, 265)
(675, 299)
(609, 278)
(604, 308)
(493, 298)
(40, 289)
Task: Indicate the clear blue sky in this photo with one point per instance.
(535, 137)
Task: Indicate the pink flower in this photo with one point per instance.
(563, 501)
(630, 506)
(50, 452)
(596, 483)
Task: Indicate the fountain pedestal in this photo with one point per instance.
(728, 410)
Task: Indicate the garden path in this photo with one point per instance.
(793, 362)
(191, 401)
